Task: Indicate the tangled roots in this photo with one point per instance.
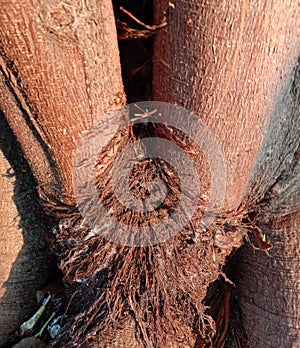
(154, 293)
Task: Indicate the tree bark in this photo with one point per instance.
(46, 47)
(229, 65)
(60, 72)
(236, 67)
(233, 65)
(26, 262)
(269, 286)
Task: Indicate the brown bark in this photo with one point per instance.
(26, 263)
(229, 65)
(269, 287)
(60, 72)
(236, 67)
(61, 63)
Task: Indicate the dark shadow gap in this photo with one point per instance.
(137, 72)
(135, 53)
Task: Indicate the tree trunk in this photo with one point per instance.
(236, 67)
(229, 65)
(26, 262)
(46, 47)
(269, 287)
(60, 72)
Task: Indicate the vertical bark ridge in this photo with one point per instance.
(195, 65)
(65, 61)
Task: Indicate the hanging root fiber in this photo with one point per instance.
(154, 293)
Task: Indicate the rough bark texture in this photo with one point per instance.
(269, 287)
(46, 47)
(236, 67)
(228, 64)
(26, 263)
(60, 72)
(148, 293)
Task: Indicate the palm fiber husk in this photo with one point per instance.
(148, 296)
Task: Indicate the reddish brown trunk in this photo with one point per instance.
(236, 67)
(60, 72)
(62, 64)
(229, 64)
(269, 287)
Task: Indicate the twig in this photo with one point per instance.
(68, 306)
(149, 27)
(129, 33)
